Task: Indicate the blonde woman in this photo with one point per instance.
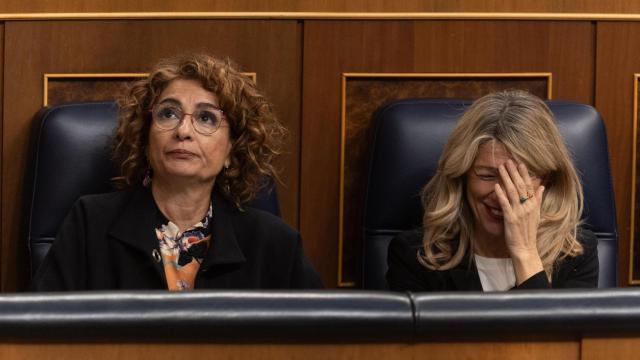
(503, 209)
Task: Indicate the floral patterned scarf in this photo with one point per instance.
(182, 253)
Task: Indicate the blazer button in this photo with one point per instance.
(156, 255)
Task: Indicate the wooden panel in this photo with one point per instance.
(2, 28)
(634, 184)
(522, 350)
(614, 100)
(612, 347)
(598, 6)
(67, 88)
(364, 94)
(81, 88)
(269, 48)
(566, 49)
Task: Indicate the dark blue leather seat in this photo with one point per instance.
(70, 157)
(409, 138)
(514, 313)
(208, 316)
(306, 317)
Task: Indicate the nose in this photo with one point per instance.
(185, 128)
(491, 190)
(492, 196)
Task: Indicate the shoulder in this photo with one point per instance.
(404, 249)
(587, 238)
(579, 271)
(407, 240)
(263, 219)
(589, 243)
(405, 272)
(105, 200)
(262, 226)
(107, 208)
(103, 205)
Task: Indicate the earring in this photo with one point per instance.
(226, 186)
(146, 181)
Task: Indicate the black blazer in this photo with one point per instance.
(407, 274)
(107, 242)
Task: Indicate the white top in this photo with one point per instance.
(496, 274)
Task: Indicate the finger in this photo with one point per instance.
(533, 227)
(539, 194)
(516, 178)
(526, 178)
(502, 200)
(509, 188)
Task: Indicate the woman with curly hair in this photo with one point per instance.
(195, 141)
(503, 209)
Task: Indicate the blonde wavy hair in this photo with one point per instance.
(255, 132)
(526, 127)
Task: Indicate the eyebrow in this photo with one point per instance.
(482, 167)
(495, 170)
(173, 101)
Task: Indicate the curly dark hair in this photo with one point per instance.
(255, 132)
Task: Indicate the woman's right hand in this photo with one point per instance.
(520, 197)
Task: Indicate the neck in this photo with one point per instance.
(489, 246)
(183, 204)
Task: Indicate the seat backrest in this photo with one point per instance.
(69, 157)
(409, 138)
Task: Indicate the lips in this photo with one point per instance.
(494, 213)
(181, 153)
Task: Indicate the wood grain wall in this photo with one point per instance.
(618, 58)
(554, 6)
(299, 64)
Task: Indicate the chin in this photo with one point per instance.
(181, 171)
(496, 230)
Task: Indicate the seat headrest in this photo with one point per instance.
(410, 136)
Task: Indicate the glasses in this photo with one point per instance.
(205, 121)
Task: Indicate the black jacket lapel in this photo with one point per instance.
(135, 227)
(465, 276)
(224, 249)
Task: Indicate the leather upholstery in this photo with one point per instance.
(531, 312)
(70, 157)
(409, 138)
(250, 316)
(328, 316)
